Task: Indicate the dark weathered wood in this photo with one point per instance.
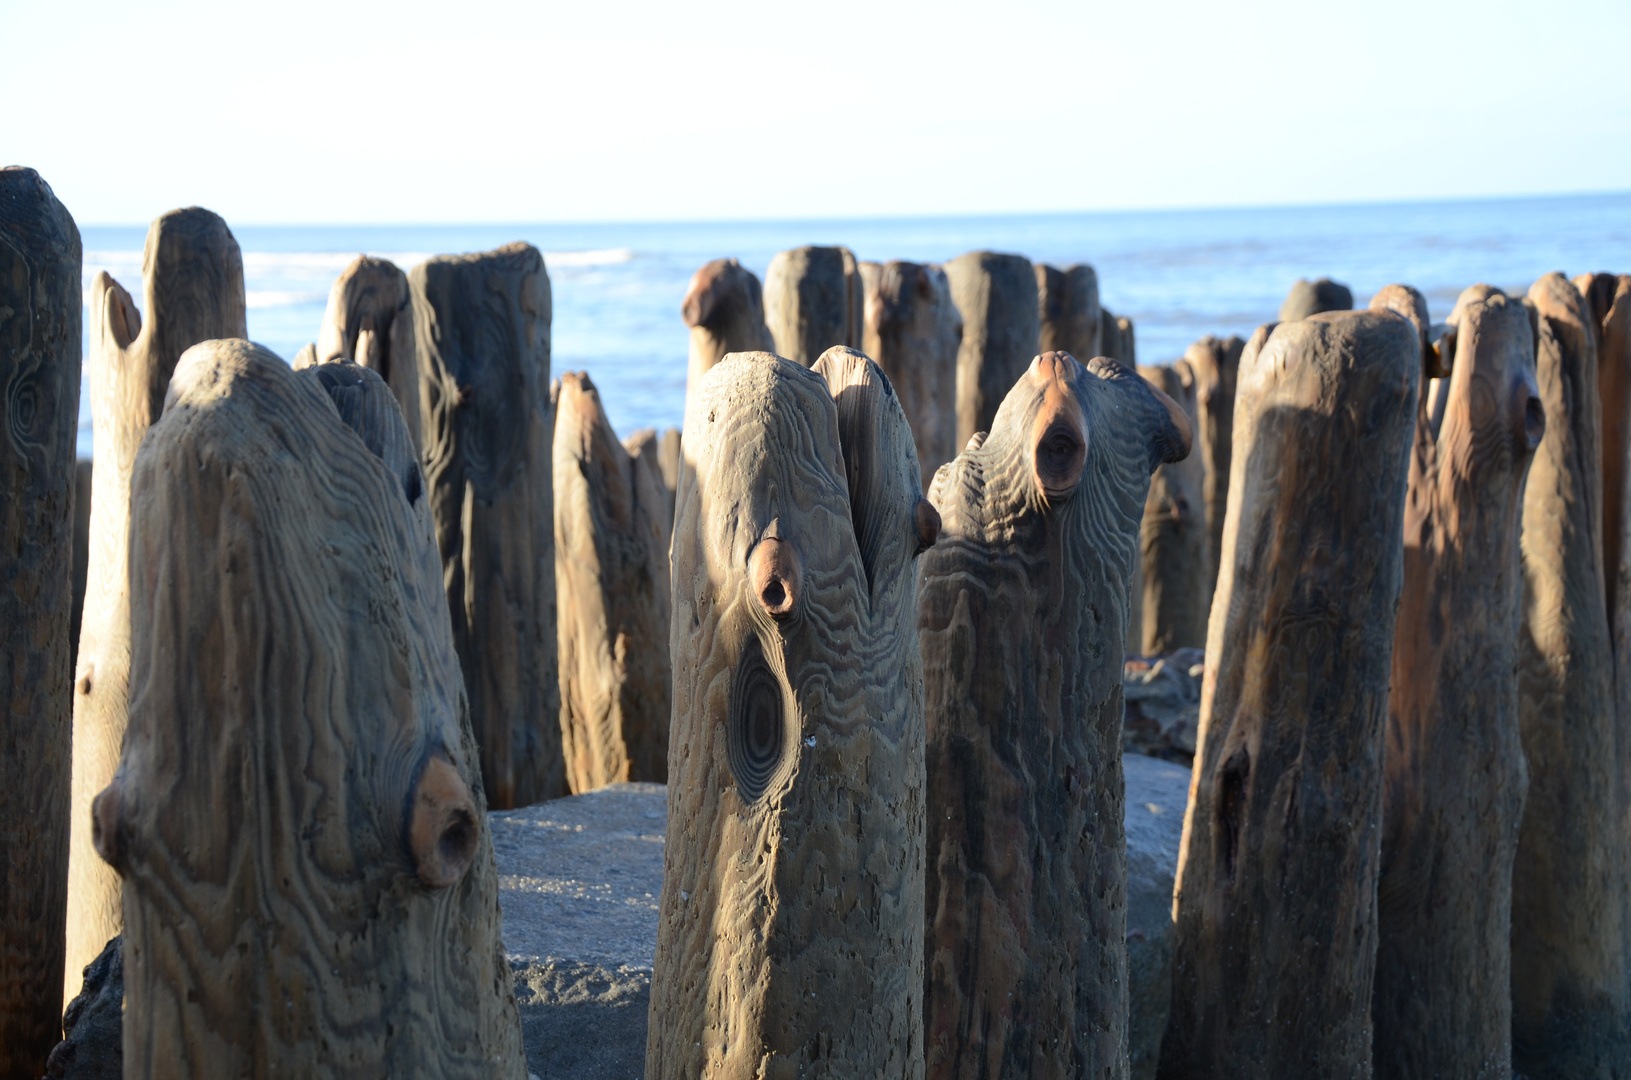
(1022, 617)
(611, 581)
(813, 301)
(996, 297)
(1216, 364)
(1454, 766)
(193, 286)
(649, 452)
(1068, 307)
(1607, 299)
(1571, 976)
(790, 933)
(482, 326)
(1274, 936)
(82, 542)
(298, 813)
(39, 423)
(1312, 297)
(913, 331)
(1176, 565)
(1116, 337)
(369, 321)
(724, 307)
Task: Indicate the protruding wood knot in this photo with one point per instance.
(1059, 432)
(1528, 413)
(442, 827)
(106, 811)
(776, 577)
(927, 519)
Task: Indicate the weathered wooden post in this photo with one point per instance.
(1571, 981)
(1607, 299)
(1274, 937)
(1176, 562)
(482, 323)
(913, 330)
(39, 421)
(611, 581)
(1216, 364)
(1454, 767)
(369, 321)
(648, 452)
(1068, 308)
(790, 934)
(996, 296)
(1312, 297)
(813, 301)
(82, 543)
(1022, 614)
(1116, 337)
(724, 307)
(193, 285)
(298, 814)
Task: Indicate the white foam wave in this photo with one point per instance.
(272, 298)
(602, 257)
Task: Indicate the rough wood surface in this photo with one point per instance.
(1274, 936)
(1022, 617)
(813, 301)
(790, 932)
(39, 422)
(82, 542)
(1116, 337)
(724, 307)
(1312, 297)
(650, 452)
(1176, 565)
(1571, 1002)
(298, 814)
(369, 321)
(482, 326)
(996, 296)
(611, 581)
(1454, 767)
(1607, 300)
(913, 331)
(1216, 364)
(193, 290)
(1068, 308)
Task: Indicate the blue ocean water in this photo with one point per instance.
(1178, 274)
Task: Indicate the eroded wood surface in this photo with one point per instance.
(1176, 565)
(724, 308)
(913, 331)
(1216, 364)
(369, 321)
(1068, 309)
(996, 297)
(1022, 615)
(813, 301)
(1607, 299)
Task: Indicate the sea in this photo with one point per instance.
(1179, 274)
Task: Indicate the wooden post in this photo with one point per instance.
(996, 296)
(1022, 614)
(611, 580)
(1176, 563)
(482, 323)
(1116, 337)
(39, 422)
(813, 301)
(1274, 936)
(790, 932)
(1312, 297)
(1068, 305)
(913, 331)
(298, 814)
(193, 285)
(1571, 1002)
(724, 307)
(648, 453)
(82, 542)
(1454, 767)
(1216, 364)
(1607, 299)
(369, 321)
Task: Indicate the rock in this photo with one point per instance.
(92, 1046)
(1162, 701)
(1157, 792)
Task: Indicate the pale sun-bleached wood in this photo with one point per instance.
(813, 301)
(369, 321)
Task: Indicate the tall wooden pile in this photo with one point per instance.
(724, 308)
(1216, 365)
(1176, 563)
(813, 301)
(996, 296)
(1068, 310)
(913, 331)
(369, 321)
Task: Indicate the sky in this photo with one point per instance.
(481, 111)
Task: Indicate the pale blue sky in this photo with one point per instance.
(407, 112)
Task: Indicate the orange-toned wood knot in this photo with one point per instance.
(776, 576)
(1059, 432)
(442, 831)
(928, 525)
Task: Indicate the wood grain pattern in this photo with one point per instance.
(193, 290)
(1455, 776)
(39, 420)
(612, 596)
(1117, 339)
(1216, 364)
(996, 296)
(1175, 563)
(1607, 300)
(482, 326)
(913, 331)
(1274, 936)
(82, 542)
(813, 301)
(298, 812)
(1022, 613)
(724, 307)
(652, 453)
(790, 933)
(1571, 976)
(369, 321)
(1068, 309)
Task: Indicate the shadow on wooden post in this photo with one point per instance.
(1117, 339)
(298, 814)
(790, 933)
(193, 287)
(1274, 942)
(1176, 565)
(1607, 299)
(913, 331)
(1022, 616)
(1216, 364)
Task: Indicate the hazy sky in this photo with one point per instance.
(294, 111)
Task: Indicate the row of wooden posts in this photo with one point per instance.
(895, 838)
